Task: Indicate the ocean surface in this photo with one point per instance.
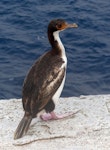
(23, 38)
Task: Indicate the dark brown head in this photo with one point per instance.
(59, 24)
(54, 27)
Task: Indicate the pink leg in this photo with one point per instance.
(53, 116)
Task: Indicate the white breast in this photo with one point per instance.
(58, 92)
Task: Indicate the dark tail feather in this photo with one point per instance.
(22, 127)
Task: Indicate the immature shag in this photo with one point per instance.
(45, 80)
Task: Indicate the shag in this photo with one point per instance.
(45, 81)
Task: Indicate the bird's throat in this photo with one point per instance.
(57, 44)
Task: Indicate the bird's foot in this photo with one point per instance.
(53, 116)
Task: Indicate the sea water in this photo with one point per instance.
(23, 38)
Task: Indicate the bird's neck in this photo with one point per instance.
(55, 41)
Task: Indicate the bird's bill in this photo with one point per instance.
(74, 25)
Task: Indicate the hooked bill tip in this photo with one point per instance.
(74, 25)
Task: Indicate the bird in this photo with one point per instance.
(44, 82)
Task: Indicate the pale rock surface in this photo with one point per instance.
(87, 129)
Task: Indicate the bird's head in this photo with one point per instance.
(60, 24)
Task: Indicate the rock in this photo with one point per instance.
(87, 129)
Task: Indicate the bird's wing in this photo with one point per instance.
(41, 83)
(50, 87)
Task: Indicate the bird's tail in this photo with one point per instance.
(23, 127)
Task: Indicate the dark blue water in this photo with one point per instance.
(23, 38)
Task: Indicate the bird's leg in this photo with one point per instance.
(53, 116)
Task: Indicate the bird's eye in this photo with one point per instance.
(58, 26)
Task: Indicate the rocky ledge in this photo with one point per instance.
(87, 129)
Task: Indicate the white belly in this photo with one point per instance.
(58, 92)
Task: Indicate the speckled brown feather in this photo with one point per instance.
(42, 82)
